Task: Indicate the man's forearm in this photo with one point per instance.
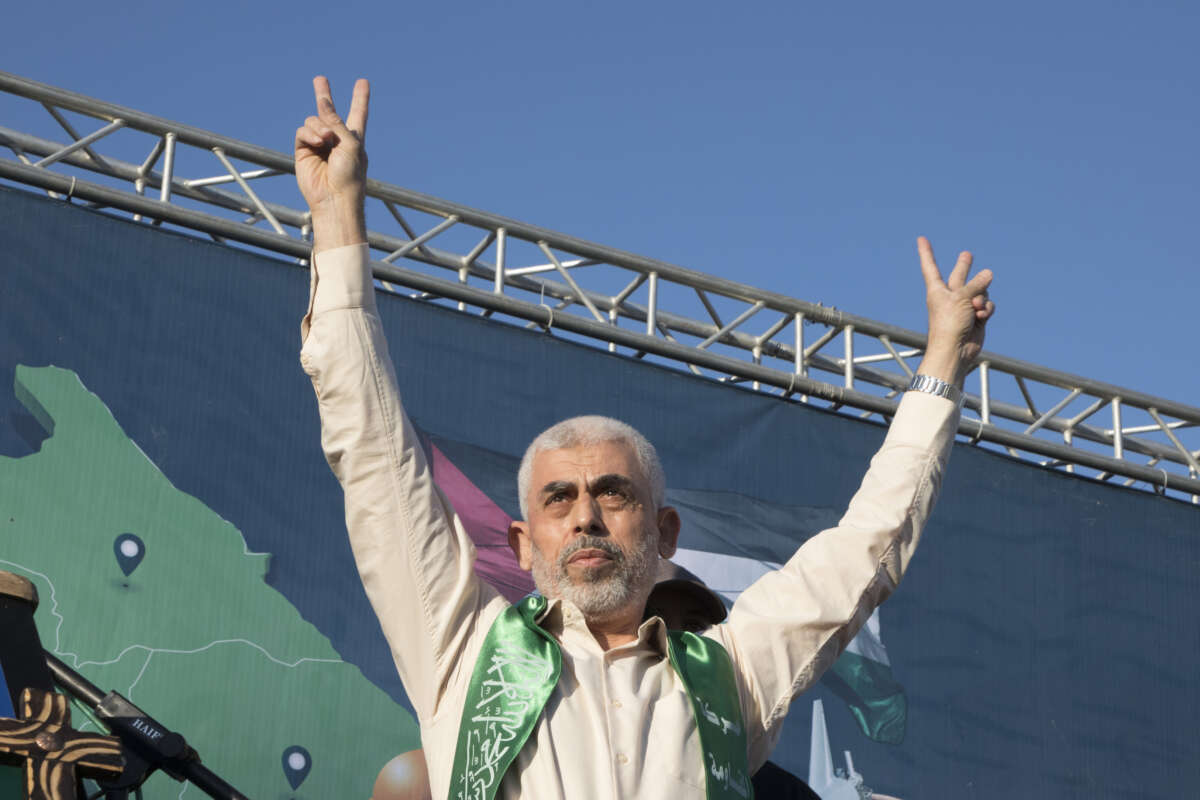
(337, 223)
(944, 362)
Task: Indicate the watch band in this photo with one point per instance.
(936, 386)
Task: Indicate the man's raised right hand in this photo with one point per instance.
(331, 167)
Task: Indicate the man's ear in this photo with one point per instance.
(518, 540)
(668, 531)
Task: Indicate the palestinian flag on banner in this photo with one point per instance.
(862, 677)
(732, 540)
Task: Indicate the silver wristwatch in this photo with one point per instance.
(937, 386)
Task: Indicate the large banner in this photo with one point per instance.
(162, 484)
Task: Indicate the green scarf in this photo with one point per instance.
(520, 665)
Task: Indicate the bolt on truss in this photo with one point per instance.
(167, 174)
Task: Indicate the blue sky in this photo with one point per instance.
(794, 146)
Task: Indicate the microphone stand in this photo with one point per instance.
(147, 744)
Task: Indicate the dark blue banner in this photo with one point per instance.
(162, 484)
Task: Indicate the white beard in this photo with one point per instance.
(602, 593)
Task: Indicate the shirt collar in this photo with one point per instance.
(560, 615)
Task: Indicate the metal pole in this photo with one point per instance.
(501, 241)
(164, 192)
(848, 368)
(652, 306)
(1118, 433)
(115, 125)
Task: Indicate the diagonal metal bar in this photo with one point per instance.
(469, 260)
(237, 176)
(821, 341)
(666, 334)
(876, 358)
(535, 269)
(629, 289)
(587, 301)
(887, 343)
(70, 129)
(216, 180)
(708, 306)
(478, 249)
(1191, 459)
(152, 158)
(770, 332)
(1148, 428)
(408, 229)
(400, 218)
(139, 183)
(408, 247)
(1059, 406)
(1087, 412)
(1025, 394)
(115, 125)
(736, 321)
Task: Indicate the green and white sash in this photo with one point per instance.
(520, 665)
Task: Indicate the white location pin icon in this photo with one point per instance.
(296, 764)
(129, 550)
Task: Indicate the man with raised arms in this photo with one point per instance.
(573, 694)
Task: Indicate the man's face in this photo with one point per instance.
(593, 535)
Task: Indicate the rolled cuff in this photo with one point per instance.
(342, 279)
(922, 418)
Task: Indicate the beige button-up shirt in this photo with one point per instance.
(619, 724)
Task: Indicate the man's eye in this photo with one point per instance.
(556, 498)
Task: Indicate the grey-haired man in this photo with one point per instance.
(575, 694)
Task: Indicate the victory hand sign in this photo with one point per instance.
(958, 313)
(331, 167)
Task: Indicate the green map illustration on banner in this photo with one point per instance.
(148, 592)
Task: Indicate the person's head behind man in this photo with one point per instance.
(683, 601)
(595, 526)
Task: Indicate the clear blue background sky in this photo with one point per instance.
(799, 147)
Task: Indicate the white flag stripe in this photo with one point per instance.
(868, 643)
(729, 576)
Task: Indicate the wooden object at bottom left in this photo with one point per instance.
(40, 740)
(54, 756)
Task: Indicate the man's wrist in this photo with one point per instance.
(338, 224)
(929, 384)
(944, 364)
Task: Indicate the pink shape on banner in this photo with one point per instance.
(487, 525)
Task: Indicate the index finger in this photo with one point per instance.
(929, 267)
(324, 97)
(356, 120)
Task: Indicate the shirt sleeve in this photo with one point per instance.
(413, 554)
(790, 626)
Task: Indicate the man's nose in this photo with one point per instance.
(588, 518)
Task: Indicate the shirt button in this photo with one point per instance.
(621, 759)
(616, 703)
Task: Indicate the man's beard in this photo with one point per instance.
(599, 592)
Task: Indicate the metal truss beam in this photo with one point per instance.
(600, 294)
